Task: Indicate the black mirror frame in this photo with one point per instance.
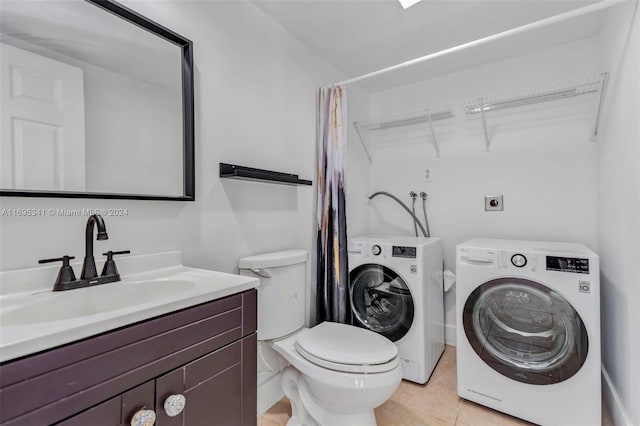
(187, 114)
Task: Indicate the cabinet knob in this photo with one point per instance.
(174, 404)
(143, 418)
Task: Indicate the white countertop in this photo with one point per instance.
(151, 285)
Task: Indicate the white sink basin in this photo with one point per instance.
(34, 318)
(106, 298)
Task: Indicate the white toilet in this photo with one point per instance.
(333, 374)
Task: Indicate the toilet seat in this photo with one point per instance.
(347, 348)
(348, 368)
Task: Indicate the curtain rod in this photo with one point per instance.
(527, 27)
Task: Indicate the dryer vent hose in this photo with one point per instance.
(404, 206)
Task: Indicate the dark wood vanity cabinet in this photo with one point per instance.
(206, 353)
(117, 410)
(213, 387)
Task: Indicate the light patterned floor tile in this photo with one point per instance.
(394, 413)
(434, 404)
(264, 421)
(279, 414)
(426, 401)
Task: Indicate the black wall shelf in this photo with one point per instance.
(232, 171)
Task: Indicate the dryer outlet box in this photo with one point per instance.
(493, 203)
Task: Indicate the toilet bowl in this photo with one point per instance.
(336, 373)
(329, 383)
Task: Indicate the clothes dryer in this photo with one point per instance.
(396, 290)
(528, 332)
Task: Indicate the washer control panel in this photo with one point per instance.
(376, 250)
(403, 251)
(568, 264)
(518, 260)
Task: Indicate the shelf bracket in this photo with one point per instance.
(487, 142)
(433, 135)
(603, 90)
(362, 141)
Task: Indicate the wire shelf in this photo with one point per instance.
(425, 115)
(416, 117)
(567, 89)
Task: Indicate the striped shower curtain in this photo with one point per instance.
(332, 291)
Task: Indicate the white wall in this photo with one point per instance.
(619, 215)
(255, 105)
(357, 175)
(541, 158)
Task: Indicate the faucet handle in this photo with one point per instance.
(110, 266)
(110, 253)
(65, 260)
(66, 274)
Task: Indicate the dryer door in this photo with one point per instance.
(525, 331)
(381, 301)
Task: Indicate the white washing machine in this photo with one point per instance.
(396, 290)
(528, 329)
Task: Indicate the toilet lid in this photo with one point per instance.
(346, 348)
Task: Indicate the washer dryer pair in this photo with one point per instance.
(528, 334)
(396, 290)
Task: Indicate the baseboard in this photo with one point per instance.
(613, 401)
(450, 334)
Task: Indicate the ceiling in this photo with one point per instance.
(360, 36)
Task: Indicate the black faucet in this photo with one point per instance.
(66, 279)
(89, 270)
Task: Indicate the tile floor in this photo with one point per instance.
(435, 403)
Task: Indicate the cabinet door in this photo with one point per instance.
(106, 414)
(219, 388)
(138, 398)
(116, 411)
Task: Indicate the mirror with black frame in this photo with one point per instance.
(97, 102)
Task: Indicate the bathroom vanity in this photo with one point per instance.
(199, 343)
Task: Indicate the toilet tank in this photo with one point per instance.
(281, 293)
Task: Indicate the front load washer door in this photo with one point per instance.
(525, 331)
(381, 301)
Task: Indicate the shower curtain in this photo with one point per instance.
(332, 286)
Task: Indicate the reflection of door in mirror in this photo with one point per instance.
(43, 137)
